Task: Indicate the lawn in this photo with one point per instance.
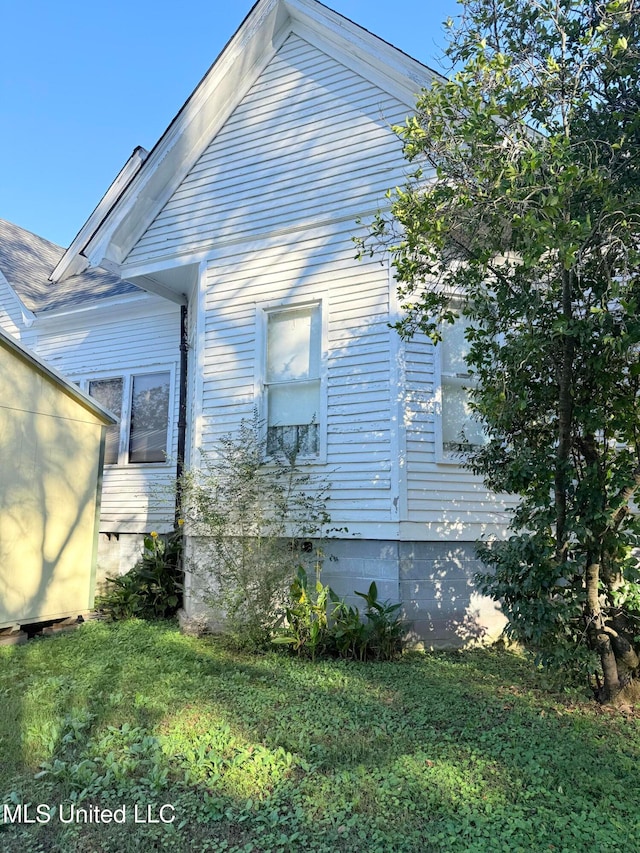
(101, 728)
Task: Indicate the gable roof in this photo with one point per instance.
(27, 261)
(138, 200)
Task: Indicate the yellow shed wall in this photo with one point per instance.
(49, 474)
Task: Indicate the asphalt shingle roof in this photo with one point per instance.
(27, 261)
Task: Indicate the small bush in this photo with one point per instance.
(305, 626)
(254, 513)
(153, 587)
(376, 637)
(310, 630)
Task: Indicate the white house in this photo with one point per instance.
(237, 227)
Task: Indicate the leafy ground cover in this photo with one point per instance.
(446, 752)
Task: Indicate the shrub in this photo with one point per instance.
(153, 587)
(309, 629)
(256, 515)
(304, 627)
(376, 637)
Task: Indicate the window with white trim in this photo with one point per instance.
(292, 381)
(461, 431)
(141, 403)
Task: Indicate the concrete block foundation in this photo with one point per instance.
(433, 580)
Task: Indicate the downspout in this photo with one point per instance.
(182, 411)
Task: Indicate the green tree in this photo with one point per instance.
(524, 204)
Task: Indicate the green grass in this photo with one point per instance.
(437, 753)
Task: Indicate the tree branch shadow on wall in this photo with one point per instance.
(440, 599)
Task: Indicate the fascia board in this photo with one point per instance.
(73, 262)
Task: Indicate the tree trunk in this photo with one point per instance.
(598, 634)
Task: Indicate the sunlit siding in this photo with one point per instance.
(103, 343)
(439, 494)
(355, 300)
(10, 315)
(273, 203)
(309, 143)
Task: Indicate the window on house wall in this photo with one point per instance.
(292, 379)
(141, 403)
(108, 392)
(460, 429)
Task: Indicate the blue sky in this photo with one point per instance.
(81, 84)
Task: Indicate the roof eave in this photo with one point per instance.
(73, 261)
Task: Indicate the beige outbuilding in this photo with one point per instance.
(52, 440)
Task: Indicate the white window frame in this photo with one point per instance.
(263, 311)
(461, 380)
(127, 377)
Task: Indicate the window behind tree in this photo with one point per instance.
(460, 430)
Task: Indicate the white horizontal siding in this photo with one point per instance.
(310, 142)
(319, 267)
(273, 201)
(439, 495)
(106, 342)
(137, 499)
(11, 319)
(110, 341)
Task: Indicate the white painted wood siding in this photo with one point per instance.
(355, 297)
(310, 143)
(11, 316)
(272, 204)
(442, 497)
(104, 342)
